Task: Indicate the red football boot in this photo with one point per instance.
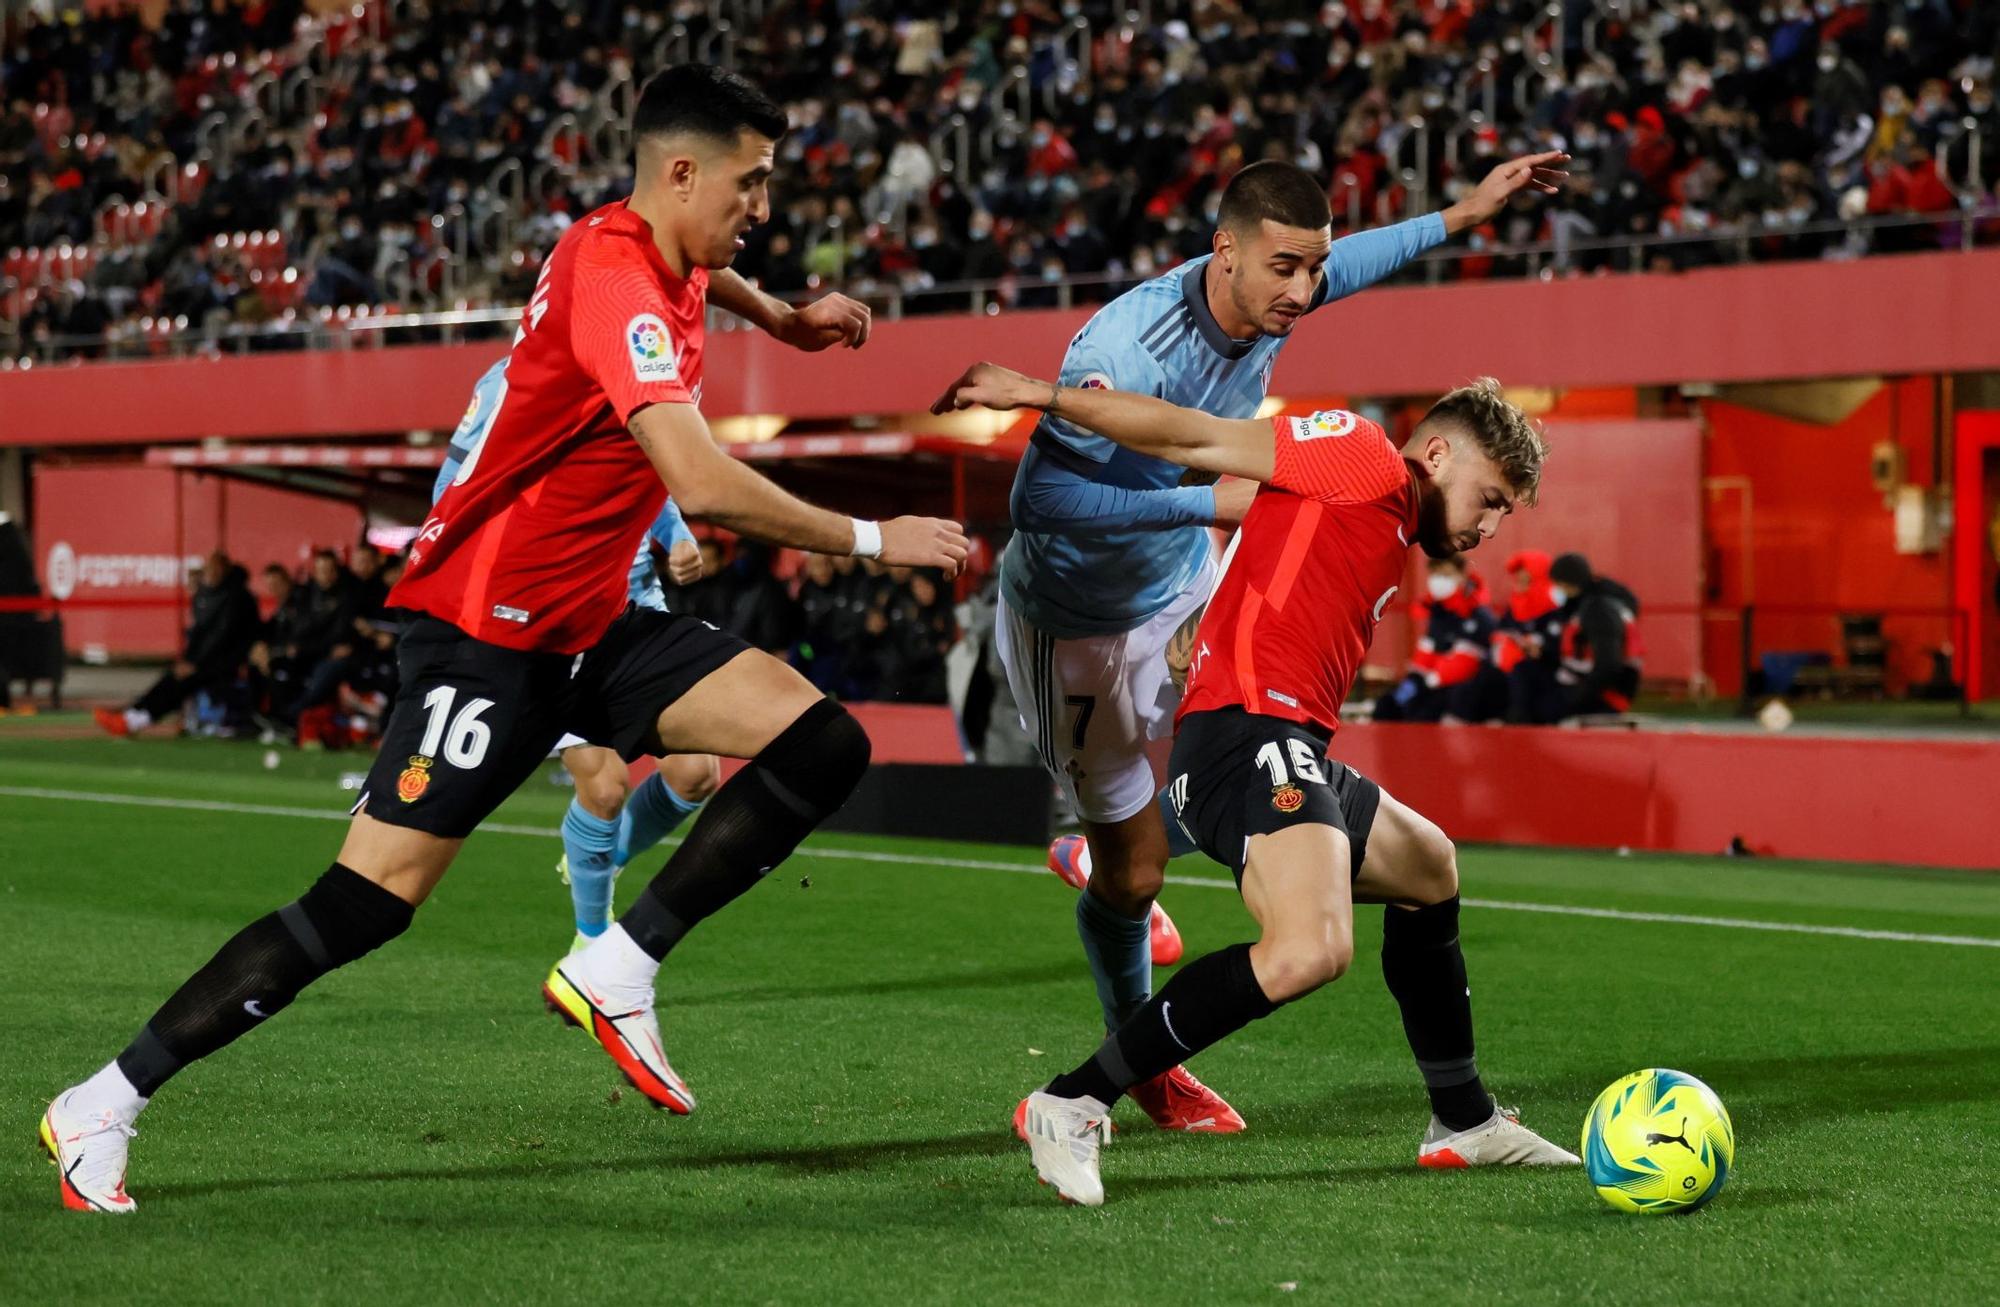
(1167, 947)
(110, 719)
(1177, 1101)
(1069, 858)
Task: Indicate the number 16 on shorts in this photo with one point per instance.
(463, 737)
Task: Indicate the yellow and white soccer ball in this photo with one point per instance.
(1658, 1141)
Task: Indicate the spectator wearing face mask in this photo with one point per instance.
(1528, 647)
(1455, 645)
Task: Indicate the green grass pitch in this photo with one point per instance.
(418, 1129)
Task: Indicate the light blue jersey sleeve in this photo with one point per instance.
(1064, 485)
(1359, 261)
(471, 431)
(670, 528)
(642, 583)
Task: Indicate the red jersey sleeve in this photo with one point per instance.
(1337, 456)
(620, 329)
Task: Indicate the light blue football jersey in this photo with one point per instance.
(1105, 538)
(643, 581)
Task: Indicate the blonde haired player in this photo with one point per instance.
(1321, 553)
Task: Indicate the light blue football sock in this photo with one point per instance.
(1178, 843)
(1121, 957)
(651, 813)
(589, 840)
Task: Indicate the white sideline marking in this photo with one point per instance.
(1027, 869)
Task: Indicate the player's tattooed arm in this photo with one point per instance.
(1233, 446)
(829, 320)
(711, 485)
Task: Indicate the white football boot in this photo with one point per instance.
(1501, 1141)
(89, 1149)
(620, 1018)
(1065, 1134)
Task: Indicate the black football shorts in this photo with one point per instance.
(474, 720)
(1235, 774)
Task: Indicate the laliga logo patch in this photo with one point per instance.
(1321, 425)
(1287, 797)
(652, 348)
(416, 778)
(1094, 381)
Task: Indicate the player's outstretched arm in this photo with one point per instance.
(1542, 173)
(1359, 260)
(827, 321)
(710, 485)
(1233, 446)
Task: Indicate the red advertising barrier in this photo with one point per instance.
(1925, 802)
(1925, 313)
(113, 545)
(1918, 802)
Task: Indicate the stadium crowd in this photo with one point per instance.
(196, 165)
(313, 658)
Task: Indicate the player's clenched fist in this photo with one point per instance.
(989, 385)
(684, 562)
(831, 320)
(924, 542)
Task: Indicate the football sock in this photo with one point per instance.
(1207, 1000)
(588, 843)
(137, 719)
(650, 815)
(752, 824)
(343, 916)
(1425, 969)
(1120, 954)
(110, 1091)
(1179, 844)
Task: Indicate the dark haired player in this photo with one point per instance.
(1320, 555)
(1110, 563)
(522, 630)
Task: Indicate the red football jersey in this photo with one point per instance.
(529, 546)
(1319, 556)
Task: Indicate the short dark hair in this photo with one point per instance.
(1572, 570)
(1283, 192)
(707, 101)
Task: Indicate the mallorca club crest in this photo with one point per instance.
(416, 778)
(1287, 797)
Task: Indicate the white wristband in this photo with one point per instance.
(867, 539)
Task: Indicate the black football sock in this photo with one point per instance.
(752, 824)
(262, 969)
(1425, 969)
(1207, 1000)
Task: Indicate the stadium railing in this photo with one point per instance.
(351, 327)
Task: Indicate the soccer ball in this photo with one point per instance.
(1658, 1141)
